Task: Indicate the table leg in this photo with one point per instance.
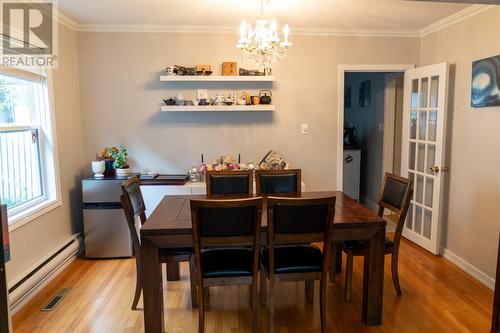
(373, 281)
(173, 273)
(153, 291)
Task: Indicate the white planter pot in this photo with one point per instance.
(98, 168)
(123, 172)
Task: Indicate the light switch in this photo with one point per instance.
(304, 129)
(380, 127)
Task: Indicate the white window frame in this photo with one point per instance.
(49, 161)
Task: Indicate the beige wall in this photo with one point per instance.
(472, 221)
(121, 96)
(36, 239)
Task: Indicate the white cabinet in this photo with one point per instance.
(153, 194)
(352, 171)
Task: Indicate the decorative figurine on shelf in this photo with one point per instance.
(273, 161)
(194, 174)
(229, 69)
(265, 96)
(170, 70)
(169, 101)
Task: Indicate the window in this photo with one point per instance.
(28, 183)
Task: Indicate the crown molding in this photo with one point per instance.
(67, 21)
(438, 25)
(454, 18)
(234, 29)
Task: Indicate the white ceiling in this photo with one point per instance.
(301, 15)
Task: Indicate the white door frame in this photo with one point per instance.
(342, 69)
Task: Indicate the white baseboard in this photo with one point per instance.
(42, 272)
(468, 268)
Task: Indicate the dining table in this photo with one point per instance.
(169, 226)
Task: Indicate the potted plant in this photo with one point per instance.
(120, 157)
(98, 167)
(106, 156)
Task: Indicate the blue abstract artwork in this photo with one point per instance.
(485, 85)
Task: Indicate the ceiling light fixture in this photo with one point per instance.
(262, 45)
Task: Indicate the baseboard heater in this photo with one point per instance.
(41, 273)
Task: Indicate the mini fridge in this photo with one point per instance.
(352, 172)
(105, 226)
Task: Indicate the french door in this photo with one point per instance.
(423, 151)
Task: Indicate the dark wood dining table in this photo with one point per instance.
(169, 226)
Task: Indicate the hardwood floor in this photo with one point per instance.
(437, 297)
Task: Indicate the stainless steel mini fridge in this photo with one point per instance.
(105, 227)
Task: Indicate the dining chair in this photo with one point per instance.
(229, 182)
(278, 182)
(226, 253)
(395, 195)
(293, 224)
(134, 208)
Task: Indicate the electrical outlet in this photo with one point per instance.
(304, 129)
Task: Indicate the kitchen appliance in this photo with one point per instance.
(350, 136)
(105, 228)
(352, 173)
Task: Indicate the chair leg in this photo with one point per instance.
(255, 305)
(333, 266)
(138, 284)
(263, 284)
(192, 279)
(348, 277)
(201, 310)
(395, 274)
(322, 303)
(309, 285)
(271, 304)
(206, 293)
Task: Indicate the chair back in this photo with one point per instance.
(299, 220)
(229, 182)
(133, 207)
(278, 182)
(396, 195)
(226, 222)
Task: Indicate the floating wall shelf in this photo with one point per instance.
(218, 108)
(210, 78)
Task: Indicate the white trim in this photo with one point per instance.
(454, 18)
(466, 13)
(342, 69)
(32, 213)
(468, 268)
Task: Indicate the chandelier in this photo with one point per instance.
(262, 45)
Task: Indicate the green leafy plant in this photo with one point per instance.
(120, 156)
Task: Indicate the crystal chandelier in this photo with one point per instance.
(262, 45)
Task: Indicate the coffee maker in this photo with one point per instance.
(350, 136)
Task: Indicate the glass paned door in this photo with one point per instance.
(423, 151)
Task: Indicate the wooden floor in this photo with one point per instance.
(437, 297)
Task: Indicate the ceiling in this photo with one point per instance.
(314, 16)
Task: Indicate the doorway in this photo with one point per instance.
(342, 70)
(373, 103)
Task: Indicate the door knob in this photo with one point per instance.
(434, 169)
